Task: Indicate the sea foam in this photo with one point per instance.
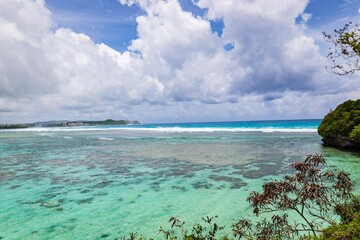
(165, 129)
(250, 126)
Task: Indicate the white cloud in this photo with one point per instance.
(268, 41)
(306, 17)
(177, 68)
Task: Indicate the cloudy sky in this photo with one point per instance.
(170, 60)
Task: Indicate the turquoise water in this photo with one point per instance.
(104, 182)
(244, 125)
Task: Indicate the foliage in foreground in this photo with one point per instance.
(208, 231)
(341, 127)
(311, 193)
(315, 194)
(345, 53)
(349, 228)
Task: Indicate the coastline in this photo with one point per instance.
(131, 176)
(239, 126)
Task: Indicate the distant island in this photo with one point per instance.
(66, 123)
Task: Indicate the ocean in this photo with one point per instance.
(104, 182)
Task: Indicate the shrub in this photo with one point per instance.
(342, 124)
(312, 193)
(355, 134)
(348, 231)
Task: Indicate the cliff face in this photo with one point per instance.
(340, 128)
(340, 141)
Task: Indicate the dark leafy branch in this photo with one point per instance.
(312, 193)
(345, 52)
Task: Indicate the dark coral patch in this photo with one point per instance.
(85, 201)
(105, 235)
(199, 185)
(86, 191)
(236, 183)
(102, 184)
(183, 189)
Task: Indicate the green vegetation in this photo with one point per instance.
(311, 193)
(346, 51)
(89, 123)
(209, 231)
(69, 124)
(355, 134)
(341, 127)
(349, 228)
(317, 195)
(110, 122)
(14, 126)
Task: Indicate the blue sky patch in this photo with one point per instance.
(188, 6)
(105, 21)
(109, 22)
(217, 26)
(229, 46)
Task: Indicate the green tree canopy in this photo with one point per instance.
(341, 127)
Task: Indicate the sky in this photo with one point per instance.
(159, 61)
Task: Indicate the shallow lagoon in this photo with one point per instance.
(104, 184)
